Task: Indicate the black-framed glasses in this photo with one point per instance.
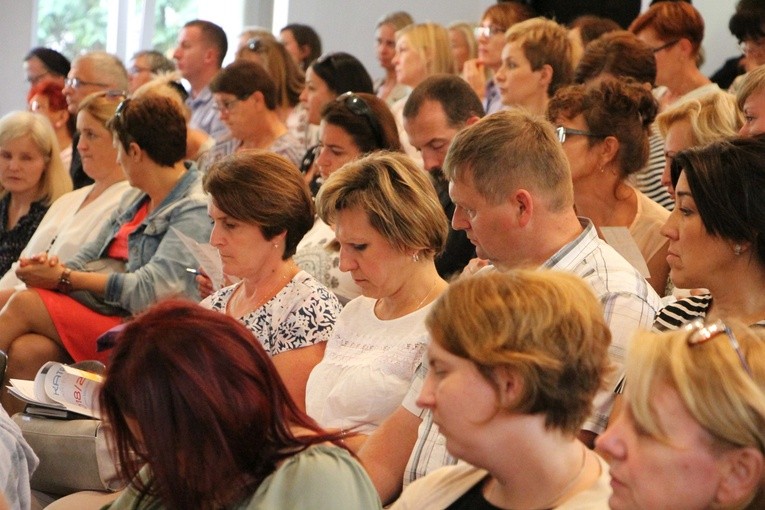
(665, 46)
(563, 132)
(226, 105)
(699, 333)
(487, 31)
(359, 107)
(76, 83)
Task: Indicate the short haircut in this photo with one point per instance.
(106, 68)
(672, 20)
(158, 63)
(507, 14)
(166, 85)
(712, 117)
(544, 42)
(243, 78)
(288, 78)
(264, 189)
(591, 27)
(748, 22)
(343, 72)
(360, 127)
(397, 196)
(509, 150)
(213, 35)
(711, 383)
(397, 20)
(53, 91)
(624, 110)
(545, 326)
(727, 181)
(55, 180)
(456, 97)
(752, 83)
(305, 35)
(55, 63)
(431, 42)
(620, 54)
(156, 124)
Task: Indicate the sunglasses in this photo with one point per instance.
(699, 333)
(564, 132)
(359, 107)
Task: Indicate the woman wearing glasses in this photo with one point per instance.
(351, 126)
(67, 306)
(692, 433)
(604, 131)
(674, 31)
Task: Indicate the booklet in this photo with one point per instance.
(62, 388)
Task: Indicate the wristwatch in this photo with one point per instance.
(64, 281)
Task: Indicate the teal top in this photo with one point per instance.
(322, 477)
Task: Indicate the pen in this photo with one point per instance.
(192, 270)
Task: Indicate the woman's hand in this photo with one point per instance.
(204, 284)
(40, 271)
(473, 72)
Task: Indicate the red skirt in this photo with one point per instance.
(78, 326)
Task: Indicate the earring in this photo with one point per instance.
(415, 257)
(276, 245)
(737, 249)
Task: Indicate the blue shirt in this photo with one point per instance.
(204, 116)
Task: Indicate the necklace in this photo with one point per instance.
(422, 301)
(242, 304)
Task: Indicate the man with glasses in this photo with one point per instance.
(513, 195)
(145, 66)
(45, 64)
(91, 72)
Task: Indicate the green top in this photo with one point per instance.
(321, 477)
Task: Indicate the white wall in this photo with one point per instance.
(16, 30)
(719, 44)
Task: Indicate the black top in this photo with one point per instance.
(13, 241)
(458, 249)
(473, 500)
(79, 178)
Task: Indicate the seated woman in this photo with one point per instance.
(390, 225)
(515, 361)
(261, 208)
(31, 178)
(239, 443)
(751, 101)
(77, 217)
(245, 97)
(46, 98)
(692, 433)
(351, 126)
(604, 131)
(142, 237)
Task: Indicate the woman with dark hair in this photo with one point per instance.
(302, 43)
(352, 126)
(201, 419)
(261, 208)
(604, 131)
(68, 305)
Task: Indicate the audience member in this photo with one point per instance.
(44, 63)
(253, 32)
(751, 101)
(140, 242)
(536, 62)
(245, 96)
(46, 98)
(388, 87)
(32, 177)
(748, 26)
(693, 430)
(513, 195)
(76, 218)
(95, 71)
(604, 132)
(515, 360)
(17, 464)
(202, 46)
(674, 31)
(585, 29)
(462, 42)
(390, 225)
(302, 43)
(622, 55)
(239, 443)
(261, 208)
(436, 110)
(147, 65)
(694, 123)
(490, 36)
(352, 126)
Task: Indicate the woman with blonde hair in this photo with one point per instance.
(751, 101)
(32, 177)
(694, 123)
(388, 87)
(463, 43)
(515, 360)
(692, 434)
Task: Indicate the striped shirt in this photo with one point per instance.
(204, 116)
(648, 179)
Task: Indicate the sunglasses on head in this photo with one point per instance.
(359, 107)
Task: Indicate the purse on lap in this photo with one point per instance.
(93, 301)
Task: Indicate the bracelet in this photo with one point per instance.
(64, 281)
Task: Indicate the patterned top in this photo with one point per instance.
(303, 313)
(648, 179)
(14, 240)
(286, 145)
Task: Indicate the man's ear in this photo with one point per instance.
(135, 152)
(744, 471)
(472, 120)
(523, 204)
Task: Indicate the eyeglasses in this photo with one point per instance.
(484, 31)
(700, 333)
(226, 106)
(34, 80)
(563, 132)
(137, 69)
(665, 46)
(76, 83)
(359, 107)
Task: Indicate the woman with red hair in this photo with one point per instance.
(46, 97)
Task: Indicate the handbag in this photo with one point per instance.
(93, 301)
